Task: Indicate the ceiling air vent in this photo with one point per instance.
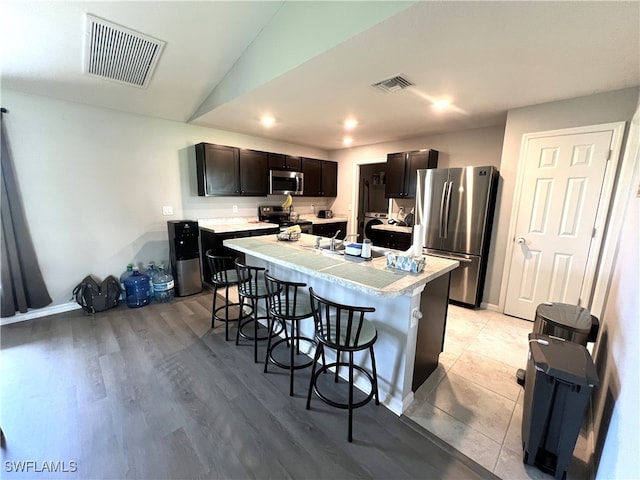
(393, 84)
(117, 53)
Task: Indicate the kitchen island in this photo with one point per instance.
(411, 309)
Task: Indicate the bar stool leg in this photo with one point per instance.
(350, 434)
(312, 381)
(226, 314)
(375, 374)
(292, 344)
(270, 324)
(239, 321)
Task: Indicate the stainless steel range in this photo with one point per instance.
(281, 216)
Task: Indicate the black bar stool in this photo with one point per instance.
(223, 275)
(288, 302)
(252, 289)
(342, 328)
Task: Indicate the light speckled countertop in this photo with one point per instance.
(392, 228)
(319, 221)
(241, 225)
(371, 277)
(237, 227)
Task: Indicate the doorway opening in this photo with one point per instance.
(371, 199)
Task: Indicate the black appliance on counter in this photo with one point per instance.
(184, 255)
(281, 216)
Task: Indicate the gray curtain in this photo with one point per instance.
(22, 284)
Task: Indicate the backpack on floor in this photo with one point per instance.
(97, 298)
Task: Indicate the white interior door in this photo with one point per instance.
(556, 216)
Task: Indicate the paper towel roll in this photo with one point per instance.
(418, 238)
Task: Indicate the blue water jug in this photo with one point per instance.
(137, 289)
(163, 285)
(151, 272)
(126, 274)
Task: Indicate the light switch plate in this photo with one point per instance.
(235, 209)
(167, 210)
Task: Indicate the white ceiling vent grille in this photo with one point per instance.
(393, 84)
(116, 53)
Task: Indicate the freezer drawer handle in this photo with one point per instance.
(448, 257)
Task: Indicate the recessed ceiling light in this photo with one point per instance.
(350, 123)
(347, 141)
(441, 104)
(267, 121)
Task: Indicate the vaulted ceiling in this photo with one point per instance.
(311, 65)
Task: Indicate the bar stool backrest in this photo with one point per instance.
(222, 268)
(342, 326)
(250, 280)
(287, 299)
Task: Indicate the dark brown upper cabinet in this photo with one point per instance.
(230, 171)
(320, 178)
(280, 161)
(254, 173)
(401, 171)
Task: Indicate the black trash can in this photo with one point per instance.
(566, 321)
(560, 378)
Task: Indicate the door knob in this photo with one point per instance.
(521, 241)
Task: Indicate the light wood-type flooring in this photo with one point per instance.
(156, 393)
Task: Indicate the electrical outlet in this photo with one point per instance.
(167, 210)
(235, 209)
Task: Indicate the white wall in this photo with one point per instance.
(93, 183)
(617, 353)
(607, 107)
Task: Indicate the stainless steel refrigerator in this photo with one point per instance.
(455, 208)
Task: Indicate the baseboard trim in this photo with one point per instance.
(40, 312)
(490, 306)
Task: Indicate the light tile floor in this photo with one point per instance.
(473, 402)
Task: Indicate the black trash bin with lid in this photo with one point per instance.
(565, 321)
(569, 322)
(560, 378)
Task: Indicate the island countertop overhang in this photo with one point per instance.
(371, 277)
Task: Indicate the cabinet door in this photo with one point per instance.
(329, 187)
(312, 177)
(293, 163)
(399, 241)
(213, 241)
(217, 169)
(330, 229)
(253, 173)
(277, 161)
(415, 161)
(395, 177)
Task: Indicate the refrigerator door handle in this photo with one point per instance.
(443, 203)
(445, 222)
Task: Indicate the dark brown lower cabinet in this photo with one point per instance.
(213, 241)
(394, 240)
(330, 229)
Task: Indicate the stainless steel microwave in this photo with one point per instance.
(283, 183)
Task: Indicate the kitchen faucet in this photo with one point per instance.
(334, 239)
(332, 245)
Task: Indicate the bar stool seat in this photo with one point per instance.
(223, 276)
(288, 303)
(252, 290)
(344, 329)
